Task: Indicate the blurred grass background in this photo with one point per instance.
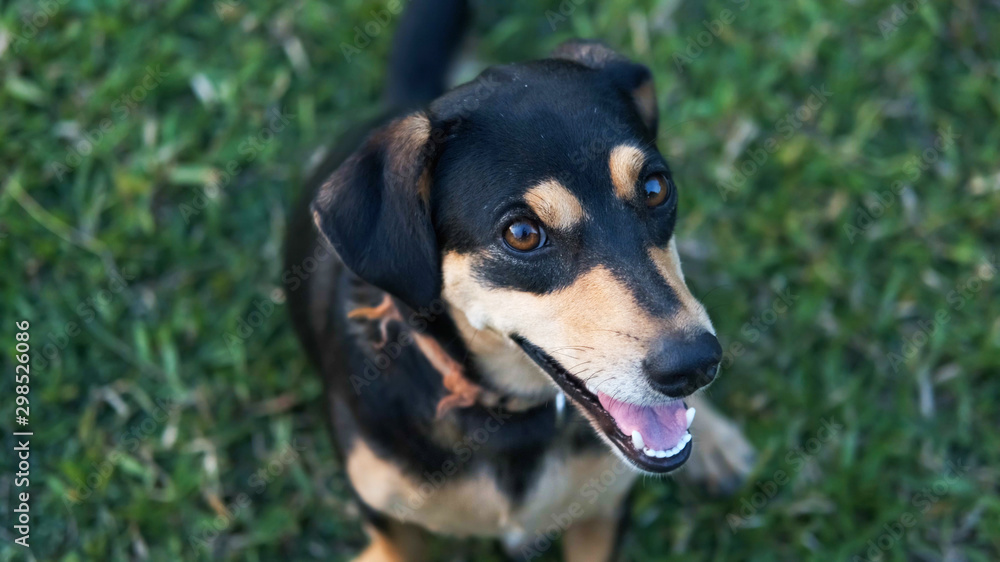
(146, 182)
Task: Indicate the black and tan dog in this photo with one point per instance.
(501, 249)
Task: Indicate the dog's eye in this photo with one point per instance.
(524, 235)
(658, 189)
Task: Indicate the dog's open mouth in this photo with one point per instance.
(654, 438)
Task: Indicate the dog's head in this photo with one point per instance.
(533, 201)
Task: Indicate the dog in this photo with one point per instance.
(496, 302)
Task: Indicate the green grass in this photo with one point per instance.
(120, 238)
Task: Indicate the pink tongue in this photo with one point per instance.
(662, 427)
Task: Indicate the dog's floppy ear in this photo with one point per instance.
(635, 79)
(374, 209)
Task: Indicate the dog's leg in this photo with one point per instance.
(394, 542)
(722, 457)
(591, 540)
(598, 539)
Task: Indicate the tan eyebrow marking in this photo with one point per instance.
(554, 204)
(625, 164)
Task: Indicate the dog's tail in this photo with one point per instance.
(426, 40)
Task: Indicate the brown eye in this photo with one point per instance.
(658, 190)
(524, 235)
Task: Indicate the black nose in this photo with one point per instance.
(677, 367)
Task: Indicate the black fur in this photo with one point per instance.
(417, 66)
(512, 127)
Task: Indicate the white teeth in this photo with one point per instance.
(684, 442)
(662, 454)
(637, 440)
(560, 403)
(690, 416)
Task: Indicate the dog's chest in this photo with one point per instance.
(567, 488)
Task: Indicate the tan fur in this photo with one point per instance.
(381, 549)
(554, 204)
(461, 392)
(408, 148)
(384, 312)
(503, 363)
(400, 543)
(409, 138)
(461, 506)
(592, 540)
(645, 102)
(582, 487)
(594, 55)
(594, 327)
(625, 164)
(692, 317)
(585, 490)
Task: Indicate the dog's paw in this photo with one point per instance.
(722, 457)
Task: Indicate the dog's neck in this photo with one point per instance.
(502, 366)
(477, 366)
